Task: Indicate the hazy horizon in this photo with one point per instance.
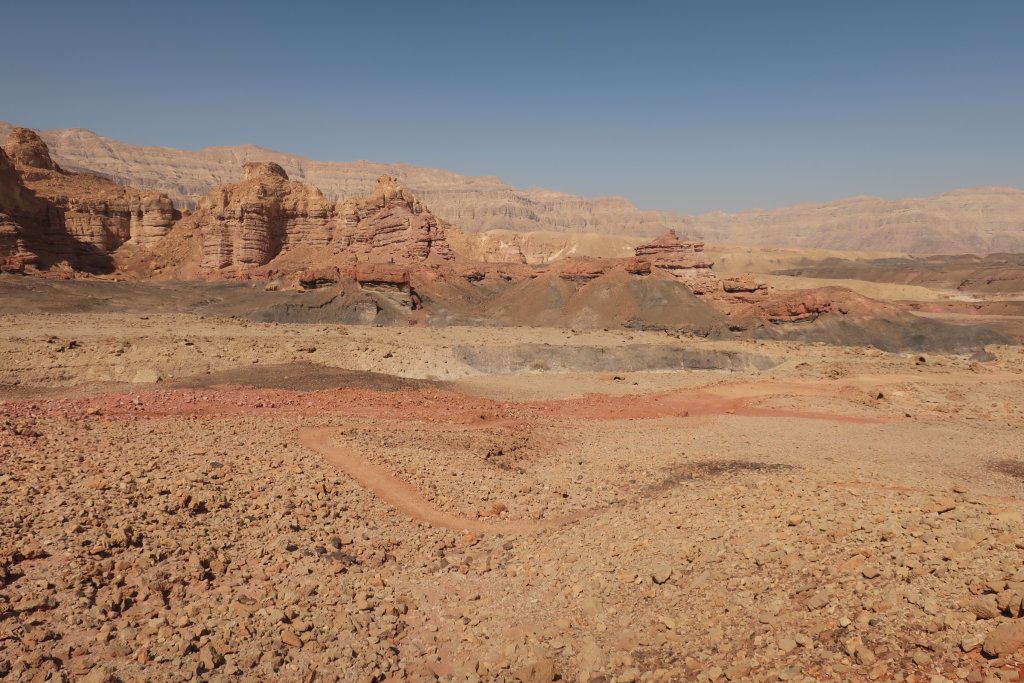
(725, 108)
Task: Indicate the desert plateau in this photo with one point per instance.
(362, 412)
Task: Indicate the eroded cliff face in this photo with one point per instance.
(391, 224)
(250, 223)
(21, 213)
(87, 217)
(247, 224)
(473, 202)
(980, 220)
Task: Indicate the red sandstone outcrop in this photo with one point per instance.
(89, 216)
(684, 259)
(804, 305)
(742, 284)
(248, 224)
(391, 223)
(581, 270)
(381, 274)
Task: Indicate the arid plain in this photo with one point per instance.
(283, 437)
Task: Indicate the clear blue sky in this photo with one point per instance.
(687, 106)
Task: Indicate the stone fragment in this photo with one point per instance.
(984, 606)
(1004, 640)
(661, 572)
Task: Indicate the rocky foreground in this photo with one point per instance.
(845, 515)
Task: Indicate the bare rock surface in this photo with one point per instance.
(75, 218)
(682, 258)
(976, 220)
(249, 224)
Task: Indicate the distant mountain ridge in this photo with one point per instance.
(979, 220)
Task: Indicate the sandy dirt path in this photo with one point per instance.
(405, 498)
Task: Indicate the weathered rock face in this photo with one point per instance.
(28, 151)
(979, 220)
(391, 224)
(742, 284)
(250, 223)
(806, 305)
(20, 210)
(89, 216)
(684, 259)
(247, 224)
(315, 278)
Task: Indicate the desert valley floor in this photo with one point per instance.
(191, 496)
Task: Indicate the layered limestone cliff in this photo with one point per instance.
(538, 248)
(475, 202)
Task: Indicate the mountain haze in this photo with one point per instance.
(978, 220)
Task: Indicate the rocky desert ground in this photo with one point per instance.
(202, 497)
(283, 435)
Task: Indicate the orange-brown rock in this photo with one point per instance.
(391, 224)
(682, 258)
(638, 266)
(90, 217)
(21, 212)
(28, 151)
(804, 305)
(314, 278)
(381, 274)
(581, 270)
(742, 284)
(248, 224)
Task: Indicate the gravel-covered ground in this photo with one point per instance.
(847, 515)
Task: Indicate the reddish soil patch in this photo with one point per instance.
(404, 497)
(433, 405)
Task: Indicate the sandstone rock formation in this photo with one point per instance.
(21, 214)
(806, 305)
(248, 224)
(27, 150)
(684, 259)
(391, 223)
(743, 298)
(87, 216)
(983, 220)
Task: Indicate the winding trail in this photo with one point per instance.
(405, 498)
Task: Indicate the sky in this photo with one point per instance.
(682, 106)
